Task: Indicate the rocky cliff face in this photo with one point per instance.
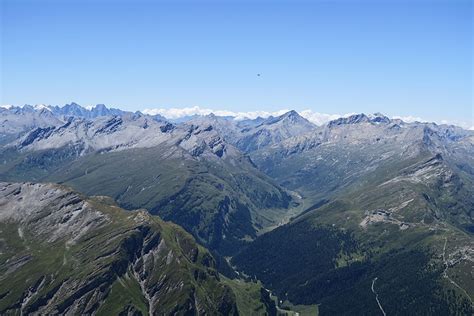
(250, 135)
(118, 133)
(15, 121)
(61, 253)
(273, 130)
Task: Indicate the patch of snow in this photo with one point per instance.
(39, 107)
(20, 232)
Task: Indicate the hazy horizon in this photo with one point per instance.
(315, 117)
(401, 58)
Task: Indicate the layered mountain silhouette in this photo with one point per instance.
(362, 214)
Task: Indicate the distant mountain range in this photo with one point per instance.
(180, 115)
(362, 215)
(72, 109)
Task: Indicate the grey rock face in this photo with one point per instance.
(250, 135)
(15, 121)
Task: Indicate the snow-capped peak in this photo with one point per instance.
(39, 107)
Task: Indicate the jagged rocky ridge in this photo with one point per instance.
(251, 135)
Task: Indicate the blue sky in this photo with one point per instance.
(396, 57)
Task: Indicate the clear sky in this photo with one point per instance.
(396, 57)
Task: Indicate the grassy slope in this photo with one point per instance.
(248, 296)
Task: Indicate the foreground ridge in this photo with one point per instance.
(64, 253)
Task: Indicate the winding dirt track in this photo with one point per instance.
(377, 296)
